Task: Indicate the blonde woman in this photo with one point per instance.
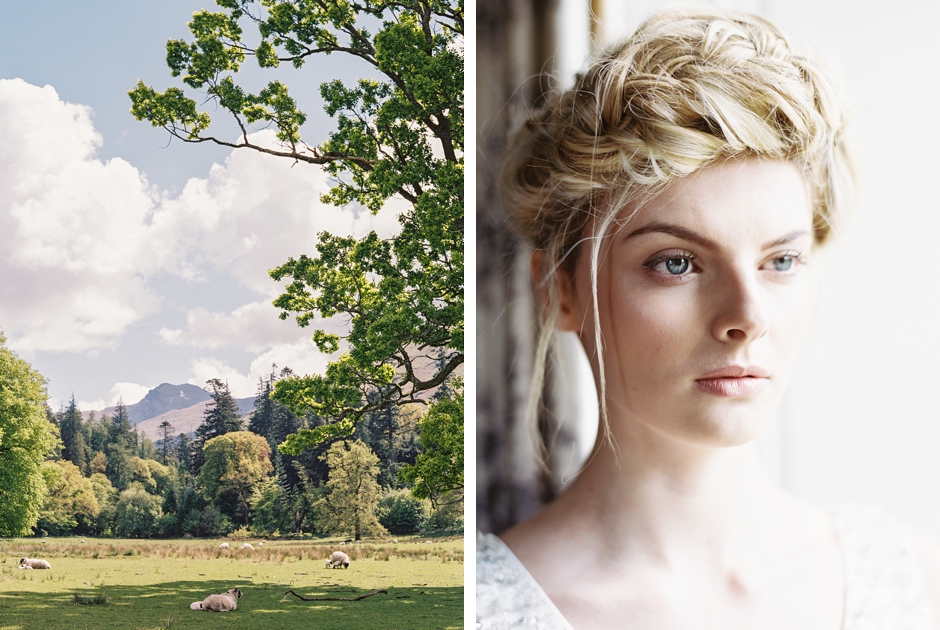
(675, 198)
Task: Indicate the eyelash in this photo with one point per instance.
(796, 256)
(651, 264)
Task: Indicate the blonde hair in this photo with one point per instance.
(689, 88)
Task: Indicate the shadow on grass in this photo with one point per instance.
(166, 605)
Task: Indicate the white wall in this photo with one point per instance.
(861, 421)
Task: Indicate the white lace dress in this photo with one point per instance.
(884, 587)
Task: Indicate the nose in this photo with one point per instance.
(740, 314)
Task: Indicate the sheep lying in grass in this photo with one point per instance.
(248, 547)
(219, 603)
(337, 559)
(223, 546)
(30, 563)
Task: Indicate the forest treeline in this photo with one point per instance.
(399, 473)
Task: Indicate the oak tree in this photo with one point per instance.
(399, 135)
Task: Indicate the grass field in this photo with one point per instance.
(150, 584)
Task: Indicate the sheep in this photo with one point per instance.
(395, 540)
(29, 563)
(223, 546)
(248, 547)
(219, 603)
(343, 543)
(338, 559)
(261, 544)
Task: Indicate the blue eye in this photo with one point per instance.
(783, 263)
(677, 266)
(673, 264)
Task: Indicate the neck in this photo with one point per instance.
(664, 498)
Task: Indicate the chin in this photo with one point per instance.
(723, 429)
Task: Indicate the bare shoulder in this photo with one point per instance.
(928, 552)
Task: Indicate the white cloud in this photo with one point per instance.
(80, 237)
(129, 393)
(85, 405)
(302, 357)
(255, 327)
(68, 227)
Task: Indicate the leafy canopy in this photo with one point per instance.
(350, 506)
(26, 437)
(437, 473)
(398, 136)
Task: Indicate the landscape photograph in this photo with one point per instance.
(231, 314)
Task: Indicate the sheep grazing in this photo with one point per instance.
(223, 546)
(30, 563)
(248, 547)
(395, 540)
(219, 603)
(338, 559)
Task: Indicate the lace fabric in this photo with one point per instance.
(884, 584)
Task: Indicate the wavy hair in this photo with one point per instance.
(690, 87)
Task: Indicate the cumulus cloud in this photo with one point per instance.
(69, 234)
(80, 237)
(254, 326)
(129, 393)
(302, 357)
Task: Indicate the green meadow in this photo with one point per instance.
(150, 584)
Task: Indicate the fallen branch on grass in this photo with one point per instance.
(335, 599)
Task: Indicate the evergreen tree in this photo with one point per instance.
(73, 442)
(184, 453)
(120, 429)
(221, 417)
(166, 431)
(121, 447)
(275, 422)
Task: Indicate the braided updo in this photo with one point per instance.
(689, 88)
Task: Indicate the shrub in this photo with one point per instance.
(447, 518)
(401, 513)
(137, 513)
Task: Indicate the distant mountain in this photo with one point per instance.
(166, 397)
(186, 420)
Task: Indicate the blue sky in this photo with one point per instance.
(129, 260)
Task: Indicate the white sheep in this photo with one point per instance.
(30, 563)
(261, 544)
(248, 547)
(395, 540)
(338, 559)
(219, 603)
(223, 546)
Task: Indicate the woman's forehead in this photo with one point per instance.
(753, 198)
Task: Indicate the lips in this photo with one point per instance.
(734, 381)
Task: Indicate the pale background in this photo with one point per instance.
(860, 421)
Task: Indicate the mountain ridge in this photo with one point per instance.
(165, 398)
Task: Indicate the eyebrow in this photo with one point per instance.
(699, 239)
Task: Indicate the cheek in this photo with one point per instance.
(651, 332)
(794, 311)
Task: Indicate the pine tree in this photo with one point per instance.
(122, 445)
(73, 442)
(166, 431)
(184, 453)
(221, 417)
